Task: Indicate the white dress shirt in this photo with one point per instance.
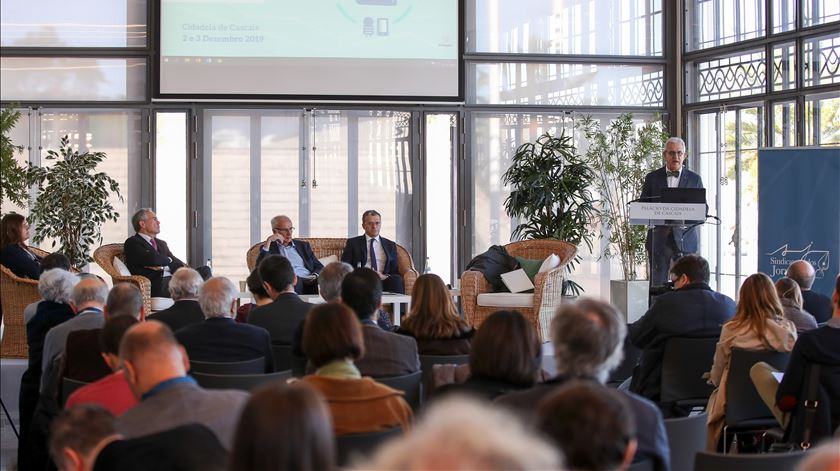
(674, 182)
(380, 254)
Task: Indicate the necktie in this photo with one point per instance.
(675, 173)
(154, 244)
(373, 265)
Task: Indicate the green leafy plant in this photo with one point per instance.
(551, 194)
(13, 187)
(73, 200)
(621, 155)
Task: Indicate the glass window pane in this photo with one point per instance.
(117, 134)
(784, 16)
(822, 119)
(749, 134)
(821, 56)
(441, 191)
(171, 183)
(707, 147)
(784, 124)
(329, 167)
(565, 84)
(712, 23)
(82, 23)
(817, 12)
(784, 66)
(735, 75)
(72, 79)
(279, 170)
(566, 27)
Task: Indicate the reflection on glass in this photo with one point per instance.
(784, 124)
(822, 119)
(712, 23)
(171, 189)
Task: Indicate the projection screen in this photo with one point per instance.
(310, 49)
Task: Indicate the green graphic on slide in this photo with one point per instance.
(377, 29)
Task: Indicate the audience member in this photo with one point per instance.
(693, 309)
(813, 302)
(588, 338)
(284, 427)
(370, 250)
(759, 324)
(592, 425)
(297, 252)
(463, 434)
(826, 457)
(183, 288)
(258, 294)
(790, 296)
(156, 369)
(56, 288)
(386, 353)
(53, 260)
(332, 340)
(329, 283)
(112, 391)
(506, 356)
(219, 338)
(434, 321)
(84, 438)
(14, 253)
(282, 317)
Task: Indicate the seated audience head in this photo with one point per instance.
(89, 292)
(185, 284)
(78, 435)
(788, 289)
(217, 297)
(757, 302)
(55, 260)
(362, 292)
(461, 433)
(150, 354)
(825, 457)
(433, 315)
(588, 338)
(591, 424)
(284, 427)
(57, 285)
(277, 275)
(255, 285)
(12, 230)
(330, 279)
(331, 332)
(690, 269)
(125, 299)
(110, 336)
(506, 348)
(803, 273)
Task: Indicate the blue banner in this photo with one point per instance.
(799, 212)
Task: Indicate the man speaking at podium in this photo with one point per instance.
(665, 244)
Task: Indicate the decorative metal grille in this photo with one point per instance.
(822, 61)
(732, 76)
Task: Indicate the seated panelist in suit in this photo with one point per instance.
(666, 244)
(370, 250)
(298, 252)
(149, 256)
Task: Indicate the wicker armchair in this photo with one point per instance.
(324, 247)
(537, 308)
(104, 257)
(16, 293)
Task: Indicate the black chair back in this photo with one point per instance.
(361, 445)
(686, 437)
(625, 369)
(68, 386)
(284, 360)
(743, 404)
(747, 462)
(411, 385)
(644, 465)
(241, 382)
(683, 363)
(247, 367)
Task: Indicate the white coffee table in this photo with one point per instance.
(395, 299)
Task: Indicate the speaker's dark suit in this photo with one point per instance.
(356, 254)
(140, 254)
(309, 261)
(221, 339)
(181, 314)
(666, 241)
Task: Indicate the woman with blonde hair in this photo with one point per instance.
(790, 296)
(434, 321)
(759, 324)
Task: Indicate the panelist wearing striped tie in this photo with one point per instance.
(373, 251)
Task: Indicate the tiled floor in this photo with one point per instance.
(10, 373)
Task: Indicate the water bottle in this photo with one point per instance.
(427, 268)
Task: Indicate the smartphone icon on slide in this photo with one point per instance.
(382, 26)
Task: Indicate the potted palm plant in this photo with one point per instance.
(621, 154)
(551, 195)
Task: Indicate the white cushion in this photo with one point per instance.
(328, 259)
(506, 299)
(120, 266)
(159, 304)
(551, 262)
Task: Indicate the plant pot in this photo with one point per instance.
(630, 297)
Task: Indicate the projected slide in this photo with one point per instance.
(310, 48)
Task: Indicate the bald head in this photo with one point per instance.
(802, 272)
(89, 292)
(151, 354)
